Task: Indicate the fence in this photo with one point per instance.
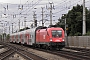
(78, 41)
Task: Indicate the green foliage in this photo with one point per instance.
(4, 36)
(0, 37)
(78, 34)
(74, 20)
(7, 37)
(88, 33)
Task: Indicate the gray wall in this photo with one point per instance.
(78, 41)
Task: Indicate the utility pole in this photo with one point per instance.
(84, 18)
(50, 13)
(9, 29)
(2, 31)
(65, 24)
(42, 17)
(25, 22)
(34, 17)
(19, 24)
(12, 27)
(51, 7)
(65, 27)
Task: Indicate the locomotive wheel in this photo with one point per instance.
(39, 46)
(50, 48)
(46, 47)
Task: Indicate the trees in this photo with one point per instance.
(4, 37)
(24, 28)
(74, 20)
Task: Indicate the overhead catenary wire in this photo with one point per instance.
(71, 5)
(63, 9)
(60, 7)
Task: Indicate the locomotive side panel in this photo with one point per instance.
(42, 36)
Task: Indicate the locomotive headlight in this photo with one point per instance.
(50, 39)
(63, 40)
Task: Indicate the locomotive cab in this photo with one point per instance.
(57, 38)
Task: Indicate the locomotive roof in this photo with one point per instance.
(34, 29)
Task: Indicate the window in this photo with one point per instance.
(56, 33)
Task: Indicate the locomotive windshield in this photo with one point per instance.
(56, 33)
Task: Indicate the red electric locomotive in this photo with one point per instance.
(50, 37)
(43, 37)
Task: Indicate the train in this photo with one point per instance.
(42, 37)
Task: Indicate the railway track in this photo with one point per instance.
(28, 50)
(21, 51)
(73, 55)
(2, 46)
(6, 53)
(29, 56)
(79, 49)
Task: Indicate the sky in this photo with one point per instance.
(13, 1)
(59, 7)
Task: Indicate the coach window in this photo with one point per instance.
(31, 36)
